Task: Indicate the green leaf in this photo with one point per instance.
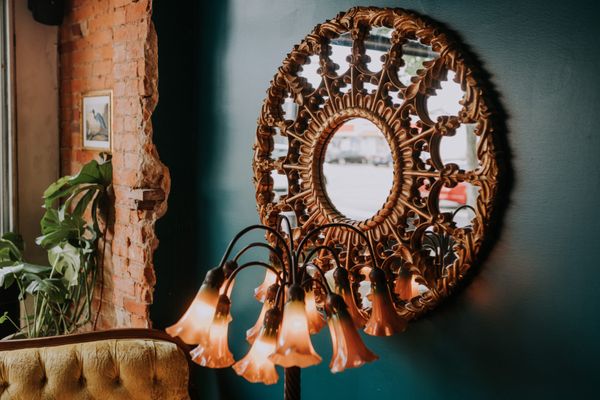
(55, 187)
(11, 246)
(83, 202)
(58, 227)
(36, 269)
(15, 239)
(4, 317)
(9, 274)
(106, 172)
(52, 287)
(91, 173)
(66, 261)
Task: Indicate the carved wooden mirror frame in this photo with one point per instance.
(408, 226)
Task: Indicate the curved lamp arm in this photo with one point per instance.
(266, 246)
(246, 265)
(340, 225)
(289, 227)
(241, 233)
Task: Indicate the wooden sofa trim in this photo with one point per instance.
(127, 333)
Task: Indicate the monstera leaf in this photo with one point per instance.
(53, 289)
(66, 260)
(21, 271)
(59, 226)
(11, 247)
(93, 174)
(66, 222)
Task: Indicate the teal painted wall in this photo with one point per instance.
(528, 325)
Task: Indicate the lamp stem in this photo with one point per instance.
(292, 384)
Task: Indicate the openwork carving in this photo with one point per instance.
(414, 239)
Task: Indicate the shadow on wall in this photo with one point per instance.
(503, 154)
(186, 124)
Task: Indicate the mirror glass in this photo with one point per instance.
(446, 100)
(414, 54)
(280, 150)
(341, 49)
(358, 169)
(310, 72)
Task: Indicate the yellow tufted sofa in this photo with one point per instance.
(125, 364)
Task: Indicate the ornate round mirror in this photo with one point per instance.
(377, 118)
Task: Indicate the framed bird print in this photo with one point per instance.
(96, 124)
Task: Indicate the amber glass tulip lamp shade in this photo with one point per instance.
(296, 305)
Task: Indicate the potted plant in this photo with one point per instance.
(57, 298)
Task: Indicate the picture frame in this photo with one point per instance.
(96, 120)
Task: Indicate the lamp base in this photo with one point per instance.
(291, 387)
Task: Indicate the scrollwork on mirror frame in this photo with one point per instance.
(413, 238)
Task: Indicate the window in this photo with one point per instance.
(6, 136)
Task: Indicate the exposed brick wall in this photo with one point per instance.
(111, 44)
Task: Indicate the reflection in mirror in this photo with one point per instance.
(364, 289)
(424, 188)
(310, 71)
(358, 169)
(290, 108)
(407, 286)
(446, 100)
(341, 49)
(425, 157)
(461, 148)
(345, 89)
(369, 87)
(280, 185)
(460, 201)
(280, 149)
(396, 98)
(377, 44)
(437, 252)
(451, 198)
(414, 54)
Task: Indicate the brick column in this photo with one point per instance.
(111, 44)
